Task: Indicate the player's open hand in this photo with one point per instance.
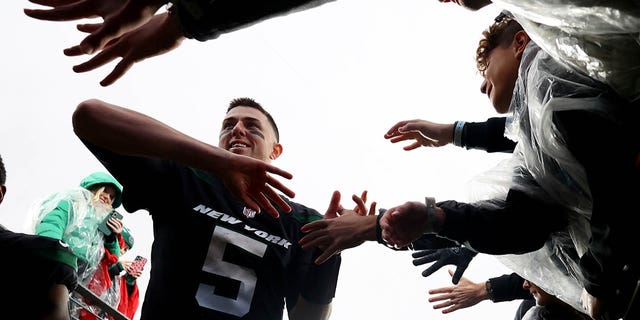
(252, 181)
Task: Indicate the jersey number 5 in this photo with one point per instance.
(215, 265)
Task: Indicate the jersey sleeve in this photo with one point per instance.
(508, 287)
(319, 284)
(145, 181)
(205, 20)
(525, 221)
(315, 283)
(488, 136)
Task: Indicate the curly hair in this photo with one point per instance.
(499, 34)
(3, 173)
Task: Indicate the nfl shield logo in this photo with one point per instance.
(248, 212)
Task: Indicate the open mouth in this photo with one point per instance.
(237, 146)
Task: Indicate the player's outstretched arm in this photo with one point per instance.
(251, 180)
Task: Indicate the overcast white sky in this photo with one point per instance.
(335, 78)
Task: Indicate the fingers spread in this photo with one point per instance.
(442, 293)
(73, 51)
(272, 210)
(360, 208)
(120, 69)
(433, 268)
(426, 259)
(98, 60)
(458, 274)
(279, 185)
(372, 210)
(423, 253)
(413, 146)
(280, 172)
(88, 27)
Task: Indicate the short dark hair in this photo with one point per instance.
(3, 173)
(248, 102)
(499, 34)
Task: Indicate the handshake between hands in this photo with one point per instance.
(343, 229)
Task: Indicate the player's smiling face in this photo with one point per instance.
(246, 131)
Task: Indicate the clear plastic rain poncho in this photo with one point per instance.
(81, 232)
(82, 235)
(601, 38)
(543, 167)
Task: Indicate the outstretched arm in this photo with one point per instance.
(159, 35)
(133, 31)
(119, 16)
(463, 295)
(424, 133)
(340, 229)
(405, 223)
(249, 179)
(487, 135)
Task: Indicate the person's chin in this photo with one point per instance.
(241, 151)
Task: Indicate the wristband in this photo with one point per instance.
(379, 230)
(457, 133)
(487, 286)
(431, 212)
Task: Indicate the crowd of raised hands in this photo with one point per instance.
(133, 31)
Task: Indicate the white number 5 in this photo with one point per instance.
(246, 276)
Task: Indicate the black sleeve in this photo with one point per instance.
(315, 283)
(488, 136)
(521, 225)
(508, 287)
(433, 241)
(206, 20)
(144, 180)
(609, 153)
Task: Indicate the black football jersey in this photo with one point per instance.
(212, 257)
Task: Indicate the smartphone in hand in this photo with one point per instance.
(103, 227)
(137, 265)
